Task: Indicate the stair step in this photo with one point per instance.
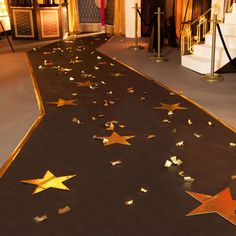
(199, 64)
(227, 29)
(230, 40)
(204, 50)
(230, 18)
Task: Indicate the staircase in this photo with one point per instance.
(200, 60)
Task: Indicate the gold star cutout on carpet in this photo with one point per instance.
(86, 84)
(61, 102)
(117, 74)
(49, 180)
(222, 204)
(115, 138)
(170, 107)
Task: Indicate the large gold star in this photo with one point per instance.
(115, 138)
(170, 107)
(86, 84)
(222, 204)
(61, 102)
(49, 180)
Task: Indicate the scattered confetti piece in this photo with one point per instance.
(47, 63)
(129, 203)
(170, 113)
(110, 126)
(109, 93)
(151, 136)
(41, 67)
(143, 190)
(130, 90)
(232, 144)
(74, 94)
(99, 58)
(180, 144)
(189, 179)
(166, 121)
(105, 140)
(39, 219)
(64, 210)
(174, 131)
(121, 126)
(172, 94)
(197, 135)
(115, 163)
(168, 164)
(96, 68)
(210, 123)
(76, 120)
(181, 173)
(71, 78)
(190, 122)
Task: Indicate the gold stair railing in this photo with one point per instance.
(229, 5)
(201, 26)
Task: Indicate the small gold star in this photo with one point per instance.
(170, 107)
(115, 138)
(61, 102)
(221, 203)
(49, 181)
(86, 84)
(117, 74)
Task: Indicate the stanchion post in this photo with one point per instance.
(158, 57)
(7, 36)
(212, 76)
(136, 47)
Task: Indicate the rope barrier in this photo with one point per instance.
(142, 19)
(224, 45)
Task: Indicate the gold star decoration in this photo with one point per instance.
(115, 138)
(49, 180)
(61, 102)
(86, 84)
(170, 107)
(222, 204)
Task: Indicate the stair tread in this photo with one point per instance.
(196, 57)
(209, 46)
(225, 35)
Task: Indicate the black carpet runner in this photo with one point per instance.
(118, 190)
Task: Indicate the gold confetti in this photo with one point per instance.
(76, 120)
(100, 116)
(95, 102)
(172, 94)
(117, 74)
(130, 90)
(96, 68)
(41, 67)
(115, 163)
(102, 82)
(129, 203)
(71, 78)
(75, 61)
(176, 161)
(197, 135)
(105, 140)
(93, 118)
(47, 53)
(74, 94)
(180, 144)
(109, 93)
(105, 103)
(190, 122)
(151, 136)
(166, 121)
(168, 164)
(47, 63)
(39, 219)
(143, 190)
(189, 179)
(121, 126)
(210, 123)
(143, 98)
(174, 131)
(99, 58)
(232, 144)
(110, 126)
(181, 173)
(64, 210)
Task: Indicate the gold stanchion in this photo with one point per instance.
(136, 47)
(158, 57)
(212, 77)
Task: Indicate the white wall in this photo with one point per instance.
(130, 19)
